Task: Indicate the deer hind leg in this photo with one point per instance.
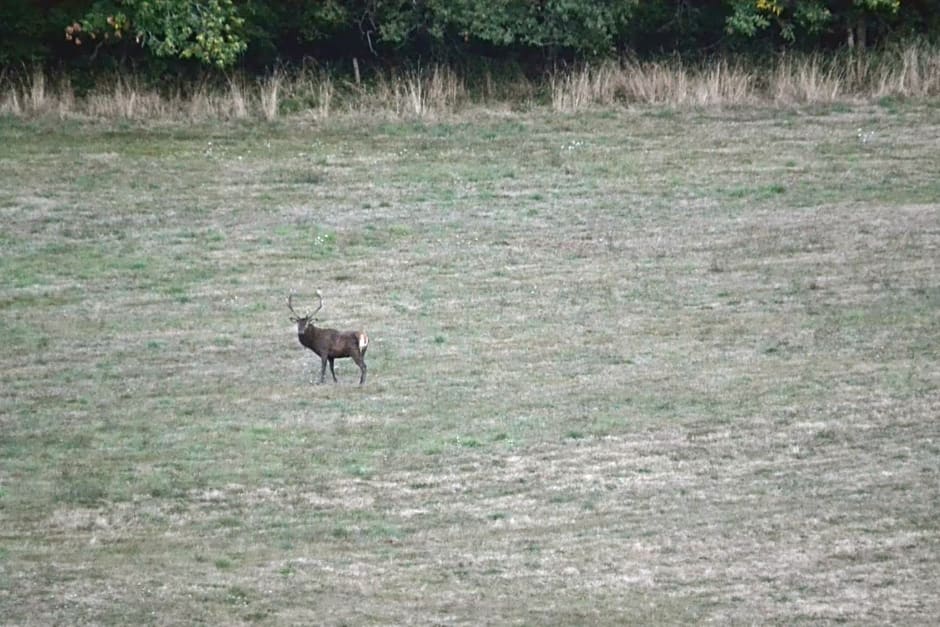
(331, 370)
(358, 358)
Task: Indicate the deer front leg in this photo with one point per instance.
(322, 370)
(331, 371)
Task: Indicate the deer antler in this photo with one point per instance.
(297, 316)
(290, 306)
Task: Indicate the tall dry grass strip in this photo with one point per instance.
(10, 102)
(723, 83)
(912, 72)
(917, 74)
(269, 91)
(806, 80)
(415, 93)
(238, 98)
(124, 97)
(325, 93)
(36, 97)
(585, 86)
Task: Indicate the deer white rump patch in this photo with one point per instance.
(363, 340)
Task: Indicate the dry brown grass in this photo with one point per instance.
(908, 72)
(415, 93)
(269, 90)
(911, 72)
(669, 83)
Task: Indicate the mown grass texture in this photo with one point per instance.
(634, 366)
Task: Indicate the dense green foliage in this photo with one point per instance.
(258, 33)
(205, 30)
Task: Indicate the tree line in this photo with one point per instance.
(180, 35)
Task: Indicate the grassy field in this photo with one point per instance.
(642, 365)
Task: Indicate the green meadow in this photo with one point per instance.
(635, 365)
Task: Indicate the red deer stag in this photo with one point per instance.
(330, 344)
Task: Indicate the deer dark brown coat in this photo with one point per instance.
(330, 344)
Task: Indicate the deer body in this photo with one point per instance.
(330, 344)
